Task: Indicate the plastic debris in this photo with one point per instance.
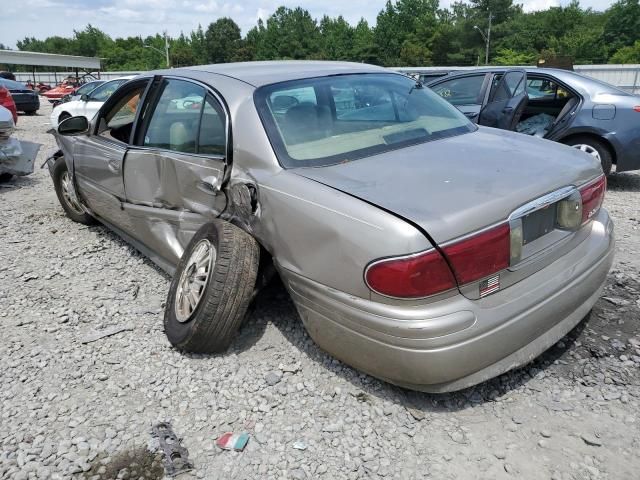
(300, 445)
(233, 441)
(537, 125)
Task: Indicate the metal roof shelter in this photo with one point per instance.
(37, 59)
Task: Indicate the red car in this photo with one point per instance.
(60, 91)
(6, 100)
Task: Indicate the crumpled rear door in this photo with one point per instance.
(173, 176)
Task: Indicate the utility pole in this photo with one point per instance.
(486, 38)
(166, 43)
(166, 49)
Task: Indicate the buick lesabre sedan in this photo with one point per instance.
(417, 247)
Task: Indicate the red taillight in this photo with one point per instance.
(636, 108)
(480, 255)
(592, 197)
(413, 276)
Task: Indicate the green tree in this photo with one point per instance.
(627, 54)
(622, 24)
(222, 40)
(337, 38)
(289, 34)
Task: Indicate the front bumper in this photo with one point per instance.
(455, 343)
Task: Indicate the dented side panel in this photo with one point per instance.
(169, 195)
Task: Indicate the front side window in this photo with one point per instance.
(340, 118)
(461, 91)
(117, 123)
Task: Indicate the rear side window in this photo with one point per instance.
(186, 119)
(461, 91)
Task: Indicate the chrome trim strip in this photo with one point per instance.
(541, 202)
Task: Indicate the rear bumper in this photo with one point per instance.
(30, 105)
(456, 342)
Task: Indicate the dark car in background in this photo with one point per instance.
(26, 100)
(558, 105)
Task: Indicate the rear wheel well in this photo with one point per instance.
(594, 136)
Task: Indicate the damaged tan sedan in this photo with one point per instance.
(417, 247)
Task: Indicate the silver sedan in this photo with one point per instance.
(417, 247)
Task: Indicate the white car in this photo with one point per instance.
(87, 105)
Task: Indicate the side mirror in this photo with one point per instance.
(84, 97)
(74, 126)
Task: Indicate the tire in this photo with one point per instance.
(73, 211)
(594, 147)
(30, 112)
(5, 177)
(63, 116)
(210, 322)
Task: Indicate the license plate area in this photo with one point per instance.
(538, 223)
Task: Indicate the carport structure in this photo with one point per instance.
(37, 59)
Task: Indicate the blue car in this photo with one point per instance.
(558, 105)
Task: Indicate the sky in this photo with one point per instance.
(122, 18)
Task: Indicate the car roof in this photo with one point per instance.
(12, 84)
(572, 79)
(258, 74)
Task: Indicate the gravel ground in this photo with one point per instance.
(84, 410)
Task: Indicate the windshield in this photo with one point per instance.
(328, 120)
(88, 88)
(104, 91)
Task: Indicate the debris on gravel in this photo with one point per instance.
(84, 410)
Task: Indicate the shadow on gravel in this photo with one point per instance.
(139, 464)
(623, 182)
(597, 336)
(16, 183)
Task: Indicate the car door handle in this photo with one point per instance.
(507, 110)
(470, 114)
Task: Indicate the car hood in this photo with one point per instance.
(454, 186)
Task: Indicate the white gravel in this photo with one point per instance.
(84, 410)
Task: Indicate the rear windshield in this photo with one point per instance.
(11, 85)
(328, 120)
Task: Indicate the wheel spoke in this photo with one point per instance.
(193, 280)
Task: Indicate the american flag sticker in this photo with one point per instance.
(233, 441)
(490, 285)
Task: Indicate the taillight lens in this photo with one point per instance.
(480, 255)
(428, 273)
(636, 108)
(592, 197)
(413, 276)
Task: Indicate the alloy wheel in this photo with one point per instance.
(69, 198)
(583, 147)
(194, 280)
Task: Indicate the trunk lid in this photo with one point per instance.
(455, 186)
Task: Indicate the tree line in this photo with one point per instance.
(406, 33)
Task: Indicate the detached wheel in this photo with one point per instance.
(212, 288)
(64, 191)
(595, 148)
